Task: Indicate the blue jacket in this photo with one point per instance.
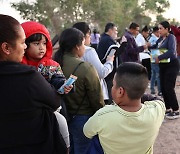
(170, 44)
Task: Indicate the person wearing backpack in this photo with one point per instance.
(87, 97)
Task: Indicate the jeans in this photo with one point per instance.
(79, 143)
(155, 77)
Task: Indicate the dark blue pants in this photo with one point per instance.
(79, 143)
(155, 77)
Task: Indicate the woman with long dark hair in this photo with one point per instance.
(87, 98)
(169, 68)
(91, 56)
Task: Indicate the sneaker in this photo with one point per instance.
(168, 111)
(173, 115)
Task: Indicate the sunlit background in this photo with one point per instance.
(172, 12)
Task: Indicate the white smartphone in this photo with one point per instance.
(68, 82)
(112, 52)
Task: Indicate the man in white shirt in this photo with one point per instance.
(144, 57)
(155, 67)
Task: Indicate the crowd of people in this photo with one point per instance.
(104, 105)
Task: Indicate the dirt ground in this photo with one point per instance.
(168, 140)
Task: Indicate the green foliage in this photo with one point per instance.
(60, 14)
(155, 6)
(160, 18)
(174, 22)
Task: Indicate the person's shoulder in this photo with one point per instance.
(89, 54)
(28, 67)
(155, 104)
(83, 65)
(153, 37)
(105, 37)
(89, 49)
(128, 35)
(50, 62)
(172, 36)
(26, 70)
(139, 36)
(85, 70)
(86, 66)
(23, 68)
(15, 68)
(107, 109)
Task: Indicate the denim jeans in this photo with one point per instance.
(155, 77)
(79, 143)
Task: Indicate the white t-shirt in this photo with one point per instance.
(140, 41)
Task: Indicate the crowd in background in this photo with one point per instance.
(111, 77)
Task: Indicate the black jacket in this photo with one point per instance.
(27, 122)
(106, 43)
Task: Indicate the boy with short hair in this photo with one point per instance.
(128, 126)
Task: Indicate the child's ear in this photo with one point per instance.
(77, 47)
(121, 92)
(6, 48)
(120, 95)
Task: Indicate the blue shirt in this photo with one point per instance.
(153, 39)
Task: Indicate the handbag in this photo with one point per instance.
(63, 110)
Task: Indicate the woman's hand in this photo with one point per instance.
(67, 89)
(110, 58)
